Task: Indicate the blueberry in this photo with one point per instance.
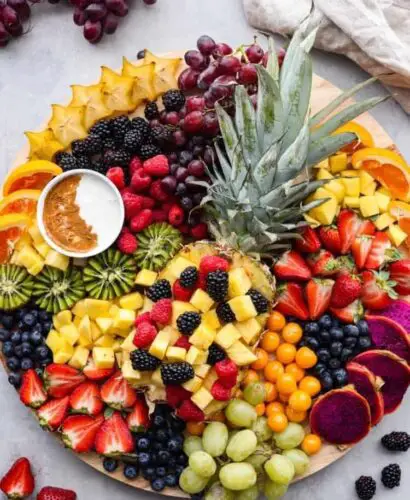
(26, 349)
(130, 471)
(47, 326)
(339, 377)
(143, 444)
(160, 471)
(177, 424)
(42, 352)
(326, 381)
(144, 459)
(363, 327)
(336, 333)
(18, 350)
(7, 321)
(29, 319)
(158, 421)
(25, 336)
(319, 368)
(312, 343)
(179, 469)
(8, 349)
(163, 457)
(311, 328)
(323, 355)
(20, 313)
(148, 473)
(364, 343)
(325, 321)
(334, 363)
(182, 459)
(324, 337)
(36, 338)
(22, 327)
(170, 480)
(346, 354)
(37, 328)
(34, 313)
(44, 316)
(171, 464)
(157, 446)
(174, 445)
(27, 364)
(4, 334)
(158, 484)
(335, 349)
(335, 323)
(110, 464)
(16, 338)
(351, 330)
(13, 364)
(161, 435)
(350, 342)
(15, 379)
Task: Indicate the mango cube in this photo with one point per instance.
(326, 212)
(129, 373)
(396, 234)
(384, 220)
(54, 341)
(113, 311)
(370, 189)
(193, 385)
(173, 334)
(383, 200)
(63, 317)
(349, 173)
(203, 337)
(243, 308)
(249, 329)
(124, 319)
(211, 319)
(103, 357)
(132, 301)
(322, 164)
(34, 232)
(201, 300)
(128, 344)
(369, 206)
(214, 406)
(365, 179)
(117, 345)
(240, 354)
(79, 309)
(95, 331)
(58, 260)
(175, 354)
(352, 201)
(338, 162)
(160, 345)
(337, 188)
(210, 379)
(42, 249)
(96, 308)
(239, 282)
(178, 308)
(146, 277)
(196, 356)
(70, 333)
(227, 336)
(84, 328)
(105, 341)
(104, 324)
(79, 358)
(202, 370)
(64, 354)
(323, 174)
(352, 186)
(85, 342)
(202, 398)
(178, 265)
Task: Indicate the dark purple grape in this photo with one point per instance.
(254, 53)
(181, 174)
(118, 7)
(181, 189)
(221, 49)
(211, 124)
(209, 156)
(186, 203)
(79, 16)
(217, 91)
(169, 184)
(16, 30)
(172, 157)
(4, 35)
(208, 76)
(197, 151)
(205, 45)
(196, 168)
(195, 103)
(209, 99)
(110, 23)
(187, 80)
(93, 31)
(141, 54)
(196, 60)
(185, 157)
(81, 4)
(174, 167)
(9, 17)
(179, 137)
(21, 7)
(172, 118)
(197, 198)
(163, 117)
(96, 12)
(247, 74)
(229, 65)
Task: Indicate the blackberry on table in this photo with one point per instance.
(99, 166)
(66, 161)
(396, 441)
(217, 285)
(118, 158)
(176, 373)
(365, 487)
(147, 151)
(258, 300)
(161, 135)
(133, 140)
(102, 129)
(141, 125)
(151, 111)
(215, 354)
(189, 277)
(144, 361)
(91, 145)
(108, 144)
(83, 161)
(225, 313)
(173, 100)
(161, 289)
(119, 126)
(187, 322)
(391, 476)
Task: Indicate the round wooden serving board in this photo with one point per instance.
(323, 92)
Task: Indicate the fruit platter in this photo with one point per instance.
(204, 272)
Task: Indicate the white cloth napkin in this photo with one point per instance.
(373, 33)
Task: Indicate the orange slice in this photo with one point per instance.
(23, 201)
(12, 227)
(364, 137)
(32, 175)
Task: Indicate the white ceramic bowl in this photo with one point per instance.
(106, 235)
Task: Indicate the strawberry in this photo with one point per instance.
(220, 392)
(291, 302)
(330, 238)
(377, 291)
(318, 293)
(79, 431)
(32, 392)
(159, 215)
(133, 205)
(183, 342)
(366, 228)
(143, 318)
(226, 369)
(61, 380)
(309, 241)
(291, 266)
(199, 231)
(52, 493)
(113, 437)
(117, 392)
(348, 223)
(176, 215)
(86, 398)
(346, 290)
(176, 395)
(350, 314)
(211, 263)
(157, 166)
(144, 335)
(190, 412)
(141, 220)
(93, 373)
(18, 482)
(323, 263)
(52, 413)
(181, 293)
(377, 254)
(162, 311)
(400, 273)
(138, 419)
(346, 265)
(140, 181)
(135, 164)
(360, 249)
(116, 176)
(127, 243)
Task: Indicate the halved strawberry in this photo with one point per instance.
(366, 228)
(18, 482)
(350, 314)
(361, 248)
(400, 272)
(86, 398)
(32, 391)
(79, 431)
(291, 266)
(318, 293)
(348, 223)
(117, 392)
(309, 241)
(113, 437)
(176, 394)
(53, 493)
(61, 380)
(94, 373)
(377, 291)
(323, 263)
(138, 419)
(377, 254)
(330, 238)
(347, 289)
(52, 413)
(290, 301)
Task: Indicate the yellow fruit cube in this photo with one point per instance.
(202, 370)
(193, 384)
(160, 345)
(96, 308)
(203, 337)
(338, 163)
(58, 260)
(178, 308)
(63, 317)
(147, 306)
(146, 277)
(42, 249)
(369, 206)
(214, 407)
(243, 308)
(384, 190)
(105, 341)
(128, 344)
(352, 186)
(210, 379)
(365, 179)
(124, 319)
(79, 309)
(95, 331)
(103, 357)
(349, 173)
(249, 329)
(84, 328)
(173, 334)
(129, 373)
(241, 354)
(239, 282)
(35, 268)
(323, 164)
(370, 189)
(384, 220)
(29, 258)
(323, 174)
(178, 265)
(64, 354)
(202, 398)
(396, 234)
(326, 212)
(54, 341)
(201, 300)
(211, 319)
(227, 336)
(156, 377)
(104, 324)
(70, 333)
(14, 257)
(85, 342)
(132, 301)
(352, 201)
(25, 240)
(175, 354)
(79, 358)
(118, 358)
(196, 356)
(34, 232)
(383, 200)
(311, 221)
(116, 347)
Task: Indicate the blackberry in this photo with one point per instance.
(187, 322)
(144, 361)
(66, 161)
(99, 166)
(102, 129)
(396, 441)
(365, 487)
(173, 100)
(259, 301)
(217, 285)
(108, 143)
(215, 354)
(391, 476)
(147, 151)
(133, 140)
(189, 277)
(161, 289)
(119, 126)
(83, 161)
(151, 111)
(176, 373)
(225, 313)
(141, 125)
(161, 135)
(119, 158)
(93, 144)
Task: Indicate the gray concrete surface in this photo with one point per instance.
(35, 72)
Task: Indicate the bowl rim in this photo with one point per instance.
(40, 209)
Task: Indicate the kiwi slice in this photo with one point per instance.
(56, 290)
(16, 286)
(109, 274)
(157, 244)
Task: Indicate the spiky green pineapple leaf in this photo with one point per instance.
(272, 66)
(245, 122)
(327, 146)
(293, 159)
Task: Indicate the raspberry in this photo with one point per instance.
(189, 412)
(202, 281)
(127, 243)
(147, 202)
(181, 293)
(145, 334)
(176, 395)
(140, 181)
(157, 191)
(127, 190)
(183, 342)
(116, 176)
(211, 263)
(228, 382)
(220, 392)
(159, 215)
(141, 220)
(226, 369)
(176, 215)
(162, 311)
(135, 164)
(157, 166)
(143, 318)
(132, 204)
(200, 231)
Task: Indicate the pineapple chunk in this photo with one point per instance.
(396, 234)
(64, 354)
(84, 328)
(383, 200)
(35, 268)
(131, 301)
(128, 344)
(202, 370)
(113, 311)
(352, 186)
(352, 201)
(79, 309)
(35, 234)
(54, 341)
(239, 282)
(104, 324)
(58, 260)
(116, 347)
(146, 277)
(129, 373)
(243, 308)
(249, 329)
(118, 358)
(160, 345)
(42, 249)
(210, 379)
(179, 307)
(201, 300)
(338, 163)
(15, 257)
(29, 258)
(175, 354)
(370, 189)
(85, 342)
(103, 357)
(173, 334)
(326, 212)
(96, 308)
(240, 354)
(124, 319)
(202, 398)
(369, 206)
(193, 385)
(323, 174)
(105, 341)
(63, 318)
(227, 335)
(95, 331)
(70, 333)
(384, 190)
(349, 173)
(79, 358)
(148, 305)
(323, 164)
(26, 240)
(211, 319)
(156, 377)
(365, 179)
(384, 220)
(203, 337)
(196, 356)
(178, 265)
(214, 407)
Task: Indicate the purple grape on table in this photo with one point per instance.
(79, 16)
(254, 53)
(96, 12)
(208, 76)
(21, 7)
(93, 31)
(206, 45)
(110, 23)
(196, 60)
(188, 79)
(193, 122)
(220, 50)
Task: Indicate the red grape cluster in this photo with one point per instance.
(13, 14)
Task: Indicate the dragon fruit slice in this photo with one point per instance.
(341, 416)
(399, 311)
(366, 384)
(388, 335)
(394, 372)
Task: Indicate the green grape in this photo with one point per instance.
(237, 476)
(240, 413)
(290, 438)
(254, 393)
(202, 463)
(251, 493)
(192, 444)
(299, 459)
(273, 491)
(241, 445)
(190, 482)
(215, 438)
(259, 456)
(218, 492)
(280, 469)
(261, 429)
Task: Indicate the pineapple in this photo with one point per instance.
(201, 300)
(103, 357)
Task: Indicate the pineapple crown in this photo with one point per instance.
(255, 200)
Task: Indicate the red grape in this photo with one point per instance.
(247, 74)
(15, 30)
(209, 99)
(193, 122)
(21, 7)
(10, 17)
(187, 80)
(208, 76)
(195, 103)
(169, 184)
(92, 31)
(150, 2)
(4, 34)
(196, 60)
(110, 23)
(79, 16)
(118, 7)
(205, 45)
(254, 53)
(229, 65)
(221, 49)
(196, 168)
(179, 137)
(96, 12)
(181, 174)
(211, 124)
(81, 4)
(172, 118)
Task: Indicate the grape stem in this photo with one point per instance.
(241, 50)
